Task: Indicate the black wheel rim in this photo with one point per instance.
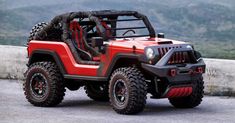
(120, 91)
(39, 85)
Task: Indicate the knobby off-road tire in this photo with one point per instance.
(51, 90)
(127, 90)
(194, 99)
(97, 92)
(37, 28)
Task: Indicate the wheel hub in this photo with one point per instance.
(120, 91)
(38, 85)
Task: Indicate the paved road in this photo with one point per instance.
(78, 108)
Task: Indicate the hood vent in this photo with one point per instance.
(164, 42)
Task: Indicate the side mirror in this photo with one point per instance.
(98, 42)
(160, 35)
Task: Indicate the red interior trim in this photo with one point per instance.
(78, 37)
(96, 58)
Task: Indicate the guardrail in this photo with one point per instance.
(219, 77)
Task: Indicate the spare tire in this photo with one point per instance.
(54, 33)
(37, 28)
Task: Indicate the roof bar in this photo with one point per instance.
(129, 36)
(127, 28)
(108, 21)
(121, 20)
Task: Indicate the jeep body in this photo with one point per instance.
(148, 63)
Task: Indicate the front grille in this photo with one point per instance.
(177, 57)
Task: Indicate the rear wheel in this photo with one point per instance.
(127, 90)
(97, 91)
(44, 85)
(194, 99)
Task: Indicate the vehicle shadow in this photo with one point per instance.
(152, 108)
(86, 104)
(81, 103)
(166, 109)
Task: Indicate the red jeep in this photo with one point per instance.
(116, 56)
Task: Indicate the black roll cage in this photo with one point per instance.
(94, 17)
(62, 22)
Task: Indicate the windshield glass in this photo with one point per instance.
(128, 26)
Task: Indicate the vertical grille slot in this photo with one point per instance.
(160, 52)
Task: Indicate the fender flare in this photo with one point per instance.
(121, 56)
(53, 54)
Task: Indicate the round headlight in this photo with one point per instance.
(150, 53)
(189, 47)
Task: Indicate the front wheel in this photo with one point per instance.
(194, 99)
(127, 90)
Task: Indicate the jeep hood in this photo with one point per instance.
(141, 43)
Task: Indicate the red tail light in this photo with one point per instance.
(199, 70)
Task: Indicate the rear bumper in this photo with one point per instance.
(183, 74)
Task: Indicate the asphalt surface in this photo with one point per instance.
(77, 107)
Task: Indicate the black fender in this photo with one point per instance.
(41, 55)
(112, 66)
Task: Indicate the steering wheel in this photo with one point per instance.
(130, 30)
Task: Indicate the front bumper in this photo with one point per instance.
(183, 73)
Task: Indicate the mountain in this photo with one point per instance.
(210, 24)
